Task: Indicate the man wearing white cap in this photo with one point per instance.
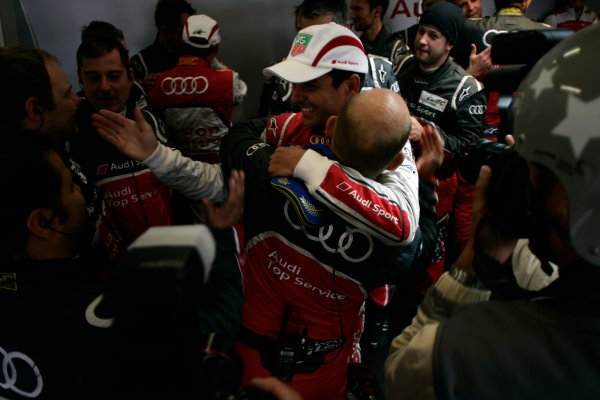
(197, 96)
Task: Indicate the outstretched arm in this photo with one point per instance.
(134, 138)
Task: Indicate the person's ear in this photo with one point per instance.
(38, 222)
(353, 84)
(330, 126)
(32, 108)
(396, 161)
(130, 76)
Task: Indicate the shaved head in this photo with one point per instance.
(371, 130)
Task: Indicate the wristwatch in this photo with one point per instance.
(465, 278)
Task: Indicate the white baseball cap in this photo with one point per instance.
(201, 31)
(317, 50)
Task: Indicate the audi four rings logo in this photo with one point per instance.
(14, 363)
(477, 110)
(344, 242)
(188, 85)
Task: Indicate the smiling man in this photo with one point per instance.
(136, 198)
(438, 90)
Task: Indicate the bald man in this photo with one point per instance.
(305, 286)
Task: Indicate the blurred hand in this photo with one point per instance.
(284, 160)
(230, 211)
(135, 139)
(432, 151)
(416, 130)
(480, 64)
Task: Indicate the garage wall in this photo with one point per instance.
(255, 32)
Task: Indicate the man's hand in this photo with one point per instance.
(230, 211)
(135, 139)
(480, 64)
(284, 160)
(432, 151)
(416, 130)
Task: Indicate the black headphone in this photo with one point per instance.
(44, 223)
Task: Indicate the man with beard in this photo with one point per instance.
(37, 99)
(436, 89)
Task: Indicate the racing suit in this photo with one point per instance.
(305, 293)
(396, 214)
(196, 99)
(481, 31)
(276, 94)
(568, 18)
(462, 346)
(66, 335)
(383, 44)
(52, 346)
(151, 59)
(456, 103)
(135, 198)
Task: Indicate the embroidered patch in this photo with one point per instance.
(300, 43)
(8, 280)
(433, 101)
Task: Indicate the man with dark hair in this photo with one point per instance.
(471, 8)
(103, 28)
(135, 197)
(276, 95)
(38, 98)
(196, 98)
(57, 338)
(301, 292)
(367, 16)
(436, 89)
(163, 54)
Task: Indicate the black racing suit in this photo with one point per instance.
(456, 102)
(384, 43)
(152, 59)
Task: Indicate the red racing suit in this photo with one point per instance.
(391, 213)
(196, 100)
(567, 18)
(305, 287)
(135, 198)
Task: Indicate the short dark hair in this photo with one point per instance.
(35, 183)
(339, 75)
(23, 74)
(168, 13)
(101, 28)
(383, 3)
(311, 9)
(98, 46)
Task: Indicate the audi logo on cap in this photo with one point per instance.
(188, 85)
